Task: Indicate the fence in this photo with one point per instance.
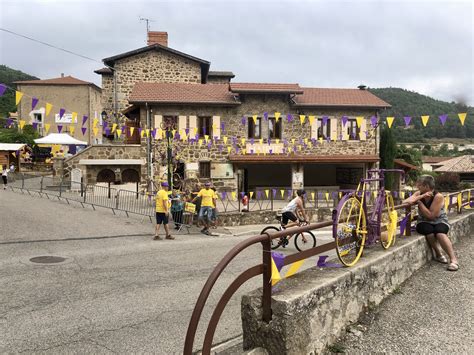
(462, 199)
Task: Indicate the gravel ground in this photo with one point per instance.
(431, 313)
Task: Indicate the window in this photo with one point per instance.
(274, 128)
(205, 126)
(324, 131)
(352, 129)
(38, 117)
(255, 128)
(205, 169)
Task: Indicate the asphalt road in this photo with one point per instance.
(117, 291)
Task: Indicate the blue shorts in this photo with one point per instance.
(205, 211)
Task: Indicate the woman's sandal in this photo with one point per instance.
(441, 259)
(453, 267)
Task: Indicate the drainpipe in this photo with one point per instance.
(148, 145)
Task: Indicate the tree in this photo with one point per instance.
(13, 135)
(388, 151)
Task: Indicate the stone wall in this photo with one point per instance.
(153, 66)
(311, 309)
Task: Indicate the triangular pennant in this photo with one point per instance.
(373, 121)
(3, 88)
(72, 129)
(443, 118)
(344, 120)
(34, 102)
(22, 123)
(277, 116)
(407, 120)
(46, 127)
(311, 119)
(83, 129)
(390, 121)
(84, 119)
(96, 131)
(18, 96)
(251, 194)
(49, 107)
(61, 112)
(132, 130)
(462, 118)
(254, 117)
(119, 132)
(327, 196)
(359, 121)
(60, 128)
(302, 119)
(267, 192)
(312, 195)
(114, 127)
(424, 120)
(74, 117)
(275, 274)
(294, 268)
(282, 193)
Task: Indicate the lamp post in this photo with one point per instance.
(168, 126)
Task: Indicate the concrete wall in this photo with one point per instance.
(312, 308)
(83, 99)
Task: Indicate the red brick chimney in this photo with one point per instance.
(155, 37)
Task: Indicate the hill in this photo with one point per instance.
(409, 103)
(8, 76)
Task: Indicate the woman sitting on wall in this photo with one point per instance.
(432, 220)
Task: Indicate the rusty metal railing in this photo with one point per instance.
(264, 269)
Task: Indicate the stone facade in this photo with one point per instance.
(230, 118)
(311, 309)
(153, 66)
(83, 99)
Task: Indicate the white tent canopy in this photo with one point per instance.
(59, 138)
(11, 147)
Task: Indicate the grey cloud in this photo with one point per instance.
(425, 46)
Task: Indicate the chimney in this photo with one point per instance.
(362, 87)
(62, 75)
(156, 37)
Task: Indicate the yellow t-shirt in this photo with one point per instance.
(206, 196)
(162, 201)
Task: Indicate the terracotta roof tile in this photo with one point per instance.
(66, 80)
(462, 164)
(434, 159)
(278, 158)
(405, 164)
(173, 93)
(106, 71)
(338, 97)
(266, 88)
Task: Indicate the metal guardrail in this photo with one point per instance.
(264, 269)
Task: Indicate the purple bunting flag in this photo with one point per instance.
(34, 102)
(84, 119)
(271, 151)
(223, 195)
(279, 260)
(289, 193)
(334, 194)
(289, 117)
(107, 131)
(322, 262)
(265, 116)
(252, 141)
(373, 121)
(443, 118)
(35, 125)
(223, 127)
(274, 191)
(61, 112)
(344, 120)
(407, 120)
(60, 128)
(395, 194)
(3, 88)
(243, 120)
(325, 120)
(242, 194)
(259, 194)
(83, 129)
(403, 224)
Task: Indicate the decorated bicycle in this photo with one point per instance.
(357, 224)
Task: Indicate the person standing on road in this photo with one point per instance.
(207, 203)
(433, 220)
(5, 177)
(162, 211)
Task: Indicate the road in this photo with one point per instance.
(117, 290)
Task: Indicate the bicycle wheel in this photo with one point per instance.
(388, 224)
(275, 243)
(350, 230)
(305, 241)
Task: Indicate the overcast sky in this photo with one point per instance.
(425, 46)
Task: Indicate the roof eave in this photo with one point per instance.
(214, 103)
(340, 105)
(237, 91)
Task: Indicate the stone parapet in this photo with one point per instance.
(311, 309)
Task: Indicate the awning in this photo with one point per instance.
(11, 147)
(59, 138)
(323, 159)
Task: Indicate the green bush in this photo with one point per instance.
(447, 182)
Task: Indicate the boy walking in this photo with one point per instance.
(162, 211)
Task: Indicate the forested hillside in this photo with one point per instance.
(8, 76)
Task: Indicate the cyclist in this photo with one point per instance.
(292, 209)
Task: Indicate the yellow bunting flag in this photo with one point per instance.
(132, 130)
(224, 139)
(312, 196)
(251, 194)
(96, 131)
(267, 192)
(292, 141)
(390, 121)
(72, 129)
(234, 195)
(195, 130)
(462, 118)
(327, 196)
(302, 118)
(294, 268)
(299, 147)
(229, 149)
(147, 132)
(282, 193)
(340, 195)
(142, 133)
(254, 117)
(446, 203)
(95, 122)
(200, 142)
(243, 141)
(46, 127)
(49, 107)
(311, 119)
(114, 127)
(159, 133)
(321, 140)
(275, 274)
(74, 117)
(359, 121)
(402, 195)
(119, 132)
(424, 120)
(277, 141)
(173, 133)
(374, 193)
(277, 116)
(468, 206)
(22, 124)
(206, 137)
(18, 96)
(459, 201)
(261, 140)
(244, 151)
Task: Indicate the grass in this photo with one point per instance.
(336, 348)
(397, 290)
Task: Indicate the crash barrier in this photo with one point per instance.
(260, 307)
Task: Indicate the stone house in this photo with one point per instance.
(158, 88)
(72, 94)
